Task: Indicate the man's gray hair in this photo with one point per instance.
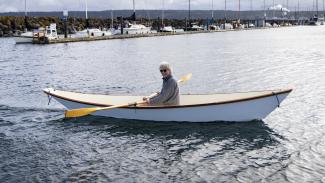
(165, 65)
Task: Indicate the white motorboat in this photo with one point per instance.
(316, 21)
(136, 29)
(49, 32)
(214, 27)
(268, 24)
(179, 30)
(226, 26)
(251, 25)
(26, 37)
(275, 25)
(168, 29)
(92, 33)
(236, 107)
(197, 28)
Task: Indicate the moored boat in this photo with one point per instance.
(49, 32)
(236, 107)
(168, 29)
(91, 33)
(26, 37)
(137, 29)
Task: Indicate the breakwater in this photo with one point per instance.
(10, 25)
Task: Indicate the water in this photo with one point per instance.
(38, 145)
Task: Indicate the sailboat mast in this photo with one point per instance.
(133, 6)
(112, 19)
(239, 7)
(86, 9)
(87, 21)
(25, 19)
(251, 5)
(313, 9)
(273, 9)
(323, 8)
(133, 15)
(163, 13)
(189, 12)
(212, 10)
(298, 8)
(225, 10)
(317, 7)
(264, 10)
(26, 8)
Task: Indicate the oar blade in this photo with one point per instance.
(79, 112)
(185, 78)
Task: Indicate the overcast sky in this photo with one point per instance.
(96, 5)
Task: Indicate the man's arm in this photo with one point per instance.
(165, 94)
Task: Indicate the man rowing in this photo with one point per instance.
(169, 94)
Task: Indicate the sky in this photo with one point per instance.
(97, 5)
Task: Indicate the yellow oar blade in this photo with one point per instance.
(80, 112)
(185, 78)
(85, 111)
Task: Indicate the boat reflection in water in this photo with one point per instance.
(251, 135)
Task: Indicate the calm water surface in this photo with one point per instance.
(38, 145)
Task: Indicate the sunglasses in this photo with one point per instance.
(163, 70)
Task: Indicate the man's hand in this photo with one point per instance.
(146, 99)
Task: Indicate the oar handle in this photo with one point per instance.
(153, 94)
(135, 103)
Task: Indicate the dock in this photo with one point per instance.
(43, 40)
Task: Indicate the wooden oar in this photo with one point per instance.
(85, 111)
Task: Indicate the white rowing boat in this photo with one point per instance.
(237, 107)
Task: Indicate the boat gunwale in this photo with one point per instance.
(274, 93)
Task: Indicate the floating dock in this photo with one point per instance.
(41, 40)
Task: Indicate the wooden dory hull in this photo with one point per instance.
(241, 111)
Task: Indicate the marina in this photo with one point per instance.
(120, 27)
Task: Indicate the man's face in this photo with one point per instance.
(165, 72)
